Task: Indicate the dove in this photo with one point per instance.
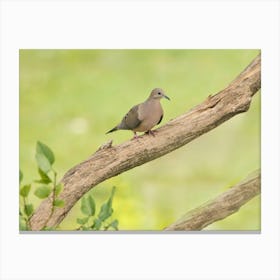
(144, 116)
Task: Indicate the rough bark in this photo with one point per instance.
(109, 161)
(221, 207)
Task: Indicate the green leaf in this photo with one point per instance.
(110, 201)
(58, 189)
(85, 228)
(45, 179)
(59, 203)
(24, 190)
(48, 228)
(96, 224)
(91, 203)
(43, 162)
(20, 176)
(82, 221)
(43, 192)
(42, 148)
(105, 212)
(84, 208)
(23, 224)
(88, 206)
(28, 209)
(114, 224)
(106, 209)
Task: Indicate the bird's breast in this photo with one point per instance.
(149, 114)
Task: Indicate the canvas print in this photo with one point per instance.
(139, 140)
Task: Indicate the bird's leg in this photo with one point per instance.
(135, 135)
(150, 132)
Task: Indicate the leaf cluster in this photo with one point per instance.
(91, 221)
(47, 187)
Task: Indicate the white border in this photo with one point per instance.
(128, 24)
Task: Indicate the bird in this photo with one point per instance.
(144, 116)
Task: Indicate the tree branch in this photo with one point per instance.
(109, 161)
(221, 207)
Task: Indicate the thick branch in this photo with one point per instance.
(221, 207)
(110, 161)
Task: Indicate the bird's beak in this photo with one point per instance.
(165, 96)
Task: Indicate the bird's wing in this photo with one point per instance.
(160, 119)
(131, 119)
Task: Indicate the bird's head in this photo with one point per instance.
(158, 93)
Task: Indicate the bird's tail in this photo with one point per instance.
(112, 130)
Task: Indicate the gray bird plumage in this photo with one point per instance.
(144, 116)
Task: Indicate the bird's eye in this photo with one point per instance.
(159, 93)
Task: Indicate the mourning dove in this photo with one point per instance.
(144, 116)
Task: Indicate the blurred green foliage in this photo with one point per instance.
(70, 98)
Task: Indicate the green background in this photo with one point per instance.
(70, 98)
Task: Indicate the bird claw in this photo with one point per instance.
(135, 136)
(150, 132)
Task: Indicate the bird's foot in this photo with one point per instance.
(150, 132)
(135, 136)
